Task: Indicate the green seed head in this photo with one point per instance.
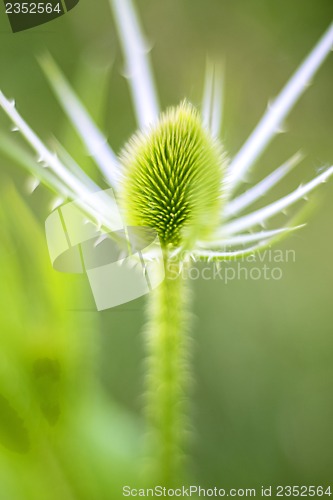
(173, 177)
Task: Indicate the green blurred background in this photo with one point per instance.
(71, 379)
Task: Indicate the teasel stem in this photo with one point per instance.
(167, 380)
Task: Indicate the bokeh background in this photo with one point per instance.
(71, 379)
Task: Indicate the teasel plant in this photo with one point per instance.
(172, 175)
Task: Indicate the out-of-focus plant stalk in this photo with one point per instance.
(167, 377)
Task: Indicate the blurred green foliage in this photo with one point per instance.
(60, 437)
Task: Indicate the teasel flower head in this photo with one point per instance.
(174, 174)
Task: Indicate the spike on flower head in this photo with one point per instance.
(173, 176)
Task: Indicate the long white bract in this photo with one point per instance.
(243, 201)
(137, 62)
(101, 213)
(212, 101)
(262, 215)
(278, 110)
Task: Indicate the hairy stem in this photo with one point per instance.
(167, 376)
